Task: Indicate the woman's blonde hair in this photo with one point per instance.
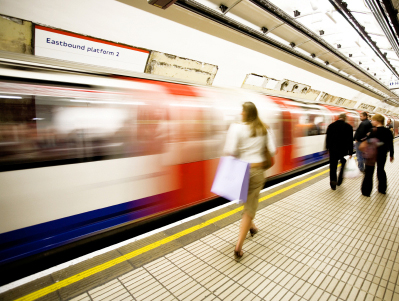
(252, 118)
(379, 118)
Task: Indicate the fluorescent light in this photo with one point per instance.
(108, 102)
(188, 105)
(10, 97)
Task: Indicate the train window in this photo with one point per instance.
(190, 128)
(39, 130)
(353, 119)
(311, 122)
(152, 130)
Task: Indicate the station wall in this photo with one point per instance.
(184, 34)
(181, 68)
(15, 35)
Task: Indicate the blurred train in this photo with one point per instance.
(81, 154)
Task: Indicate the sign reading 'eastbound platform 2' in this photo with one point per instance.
(77, 48)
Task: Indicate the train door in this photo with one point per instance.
(310, 130)
(285, 133)
(185, 149)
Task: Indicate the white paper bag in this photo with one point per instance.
(232, 179)
(351, 170)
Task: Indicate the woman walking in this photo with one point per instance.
(249, 141)
(385, 139)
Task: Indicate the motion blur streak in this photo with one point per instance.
(78, 159)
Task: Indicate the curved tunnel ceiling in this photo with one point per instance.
(319, 31)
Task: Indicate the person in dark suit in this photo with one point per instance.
(360, 135)
(385, 143)
(389, 126)
(339, 143)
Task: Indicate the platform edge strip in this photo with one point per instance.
(80, 276)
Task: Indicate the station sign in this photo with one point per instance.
(68, 46)
(394, 84)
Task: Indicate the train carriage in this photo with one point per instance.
(83, 154)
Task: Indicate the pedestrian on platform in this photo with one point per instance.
(384, 145)
(389, 126)
(360, 135)
(339, 143)
(249, 141)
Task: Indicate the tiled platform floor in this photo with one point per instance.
(316, 244)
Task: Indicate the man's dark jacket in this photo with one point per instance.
(339, 140)
(361, 132)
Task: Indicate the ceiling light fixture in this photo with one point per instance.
(223, 8)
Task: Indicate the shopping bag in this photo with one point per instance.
(369, 150)
(351, 170)
(232, 179)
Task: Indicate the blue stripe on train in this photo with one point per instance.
(35, 239)
(39, 238)
(312, 158)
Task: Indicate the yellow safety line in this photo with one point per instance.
(63, 283)
(293, 185)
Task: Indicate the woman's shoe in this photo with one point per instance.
(253, 231)
(238, 254)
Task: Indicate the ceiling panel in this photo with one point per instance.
(217, 3)
(338, 41)
(312, 47)
(328, 57)
(289, 34)
(341, 65)
(252, 13)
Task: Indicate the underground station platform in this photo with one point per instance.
(313, 244)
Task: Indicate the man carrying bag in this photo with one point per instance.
(360, 135)
(339, 143)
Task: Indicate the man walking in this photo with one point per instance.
(389, 126)
(361, 135)
(339, 143)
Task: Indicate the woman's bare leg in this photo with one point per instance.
(244, 228)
